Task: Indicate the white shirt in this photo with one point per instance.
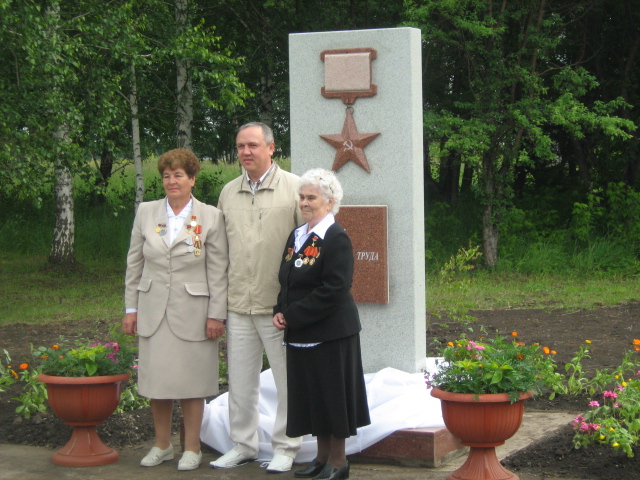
(176, 222)
(320, 230)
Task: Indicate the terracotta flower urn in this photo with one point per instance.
(83, 403)
(481, 422)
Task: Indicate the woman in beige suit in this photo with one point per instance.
(176, 302)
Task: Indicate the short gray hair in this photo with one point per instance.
(267, 133)
(327, 184)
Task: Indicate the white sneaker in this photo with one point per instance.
(231, 459)
(156, 456)
(190, 460)
(279, 464)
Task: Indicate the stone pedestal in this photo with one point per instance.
(415, 447)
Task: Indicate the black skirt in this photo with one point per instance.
(325, 389)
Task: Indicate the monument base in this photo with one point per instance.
(414, 447)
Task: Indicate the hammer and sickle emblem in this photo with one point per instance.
(348, 145)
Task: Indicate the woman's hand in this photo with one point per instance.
(279, 322)
(130, 323)
(215, 328)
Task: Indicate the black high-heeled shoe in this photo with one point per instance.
(330, 473)
(310, 471)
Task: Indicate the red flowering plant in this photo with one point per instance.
(494, 365)
(78, 358)
(85, 358)
(613, 417)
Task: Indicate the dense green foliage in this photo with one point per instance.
(532, 155)
(81, 80)
(506, 97)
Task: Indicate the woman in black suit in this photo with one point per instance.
(326, 391)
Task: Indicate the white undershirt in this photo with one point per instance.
(176, 222)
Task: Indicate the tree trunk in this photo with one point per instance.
(519, 181)
(184, 83)
(632, 168)
(444, 177)
(489, 223)
(135, 131)
(467, 179)
(430, 185)
(106, 166)
(62, 246)
(266, 94)
(490, 236)
(583, 165)
(454, 181)
(634, 176)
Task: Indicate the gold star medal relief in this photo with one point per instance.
(348, 76)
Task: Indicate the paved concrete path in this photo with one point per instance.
(32, 463)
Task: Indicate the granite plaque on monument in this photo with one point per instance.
(367, 229)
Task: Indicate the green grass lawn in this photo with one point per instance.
(566, 292)
(35, 293)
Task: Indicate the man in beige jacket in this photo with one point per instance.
(260, 208)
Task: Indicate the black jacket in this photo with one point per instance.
(315, 299)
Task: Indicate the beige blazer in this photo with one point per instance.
(163, 279)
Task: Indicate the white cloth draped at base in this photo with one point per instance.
(396, 399)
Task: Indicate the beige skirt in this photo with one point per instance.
(172, 368)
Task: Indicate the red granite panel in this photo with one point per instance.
(367, 229)
(416, 446)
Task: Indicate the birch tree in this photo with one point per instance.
(135, 134)
(62, 244)
(184, 94)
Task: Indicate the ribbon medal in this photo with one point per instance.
(193, 241)
(311, 253)
(289, 254)
(161, 228)
(189, 241)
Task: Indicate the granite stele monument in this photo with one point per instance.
(356, 108)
